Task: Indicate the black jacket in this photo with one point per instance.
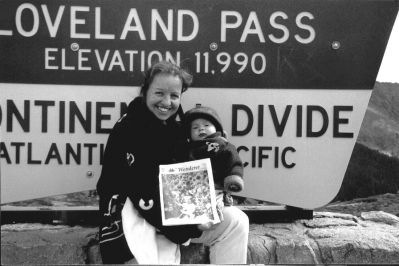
(137, 145)
(223, 155)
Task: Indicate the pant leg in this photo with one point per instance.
(147, 246)
(228, 241)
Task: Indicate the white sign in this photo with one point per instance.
(53, 137)
(295, 144)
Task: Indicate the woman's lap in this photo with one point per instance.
(228, 240)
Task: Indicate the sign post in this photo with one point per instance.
(291, 81)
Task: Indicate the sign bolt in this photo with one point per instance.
(89, 174)
(74, 46)
(213, 46)
(335, 45)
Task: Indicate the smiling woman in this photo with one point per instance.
(163, 96)
(143, 139)
(147, 137)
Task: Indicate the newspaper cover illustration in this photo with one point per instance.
(187, 193)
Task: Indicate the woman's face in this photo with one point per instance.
(164, 95)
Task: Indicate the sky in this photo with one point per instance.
(389, 69)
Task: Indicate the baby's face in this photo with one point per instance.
(201, 128)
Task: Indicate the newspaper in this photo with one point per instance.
(187, 193)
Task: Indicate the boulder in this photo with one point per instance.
(46, 244)
(380, 217)
(328, 238)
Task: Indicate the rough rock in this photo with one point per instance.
(45, 244)
(326, 239)
(380, 217)
(388, 203)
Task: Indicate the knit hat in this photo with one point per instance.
(205, 113)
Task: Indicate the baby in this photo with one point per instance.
(207, 140)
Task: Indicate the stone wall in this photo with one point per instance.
(328, 238)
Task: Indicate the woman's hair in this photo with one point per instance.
(166, 67)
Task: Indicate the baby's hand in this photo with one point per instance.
(233, 183)
(205, 227)
(234, 188)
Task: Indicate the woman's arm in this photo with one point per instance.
(111, 178)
